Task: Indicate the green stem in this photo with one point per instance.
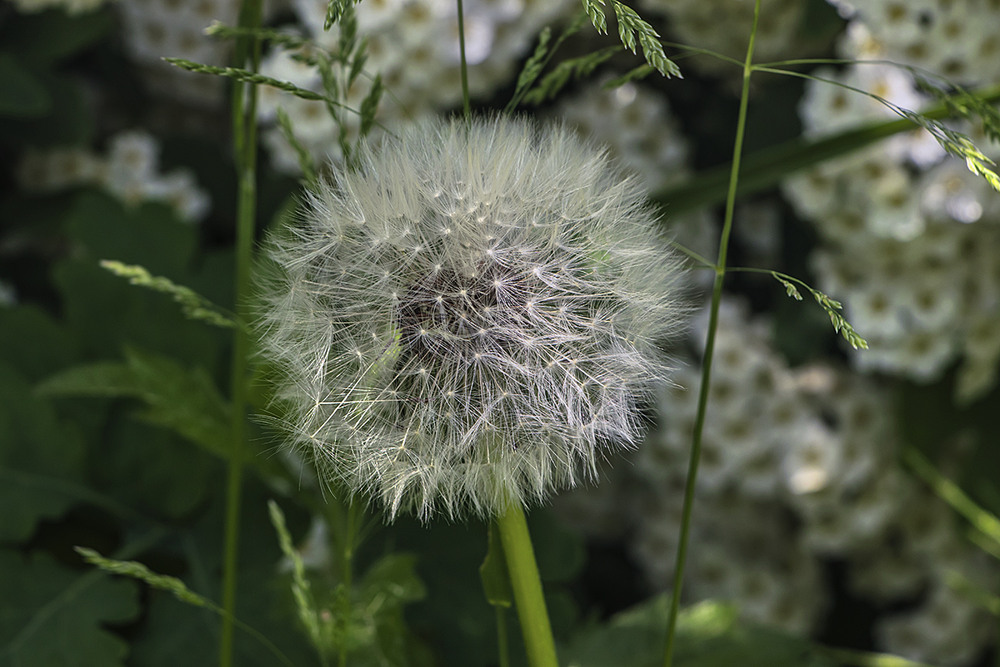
(527, 588)
(347, 545)
(503, 650)
(466, 105)
(245, 153)
(706, 369)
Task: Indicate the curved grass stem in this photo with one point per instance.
(527, 587)
(706, 369)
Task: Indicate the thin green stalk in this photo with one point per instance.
(706, 370)
(527, 587)
(347, 545)
(244, 113)
(503, 648)
(466, 105)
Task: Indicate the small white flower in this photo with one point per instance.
(470, 319)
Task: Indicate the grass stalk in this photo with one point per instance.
(244, 113)
(706, 370)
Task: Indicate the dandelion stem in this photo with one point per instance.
(503, 652)
(527, 587)
(466, 105)
(706, 369)
(245, 149)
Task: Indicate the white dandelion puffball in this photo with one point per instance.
(470, 318)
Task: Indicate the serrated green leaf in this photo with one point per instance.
(104, 313)
(41, 460)
(153, 470)
(108, 379)
(184, 400)
(53, 616)
(180, 399)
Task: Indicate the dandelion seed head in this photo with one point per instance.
(458, 372)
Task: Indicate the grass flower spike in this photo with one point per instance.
(471, 317)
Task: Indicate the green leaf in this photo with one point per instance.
(105, 314)
(184, 400)
(177, 398)
(41, 461)
(104, 379)
(493, 572)
(153, 470)
(708, 635)
(53, 616)
(32, 342)
(21, 94)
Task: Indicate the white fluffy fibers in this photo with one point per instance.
(470, 318)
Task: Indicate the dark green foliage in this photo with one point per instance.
(41, 459)
(708, 635)
(55, 616)
(24, 96)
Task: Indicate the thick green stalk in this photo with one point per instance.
(245, 153)
(527, 587)
(706, 369)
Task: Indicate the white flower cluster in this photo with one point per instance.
(959, 40)
(636, 124)
(639, 129)
(799, 466)
(414, 45)
(471, 318)
(711, 24)
(911, 239)
(129, 171)
(154, 29)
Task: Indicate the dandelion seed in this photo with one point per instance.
(476, 385)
